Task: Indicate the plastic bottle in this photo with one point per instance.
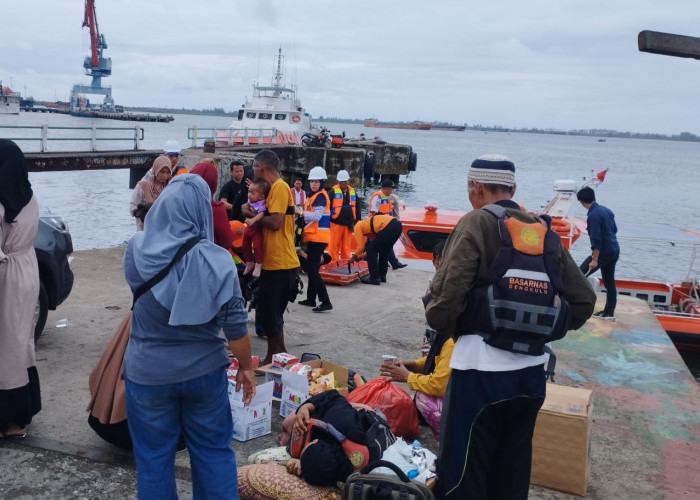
(418, 456)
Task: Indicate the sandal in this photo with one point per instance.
(17, 435)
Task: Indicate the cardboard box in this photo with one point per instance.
(273, 374)
(254, 420)
(340, 373)
(295, 390)
(561, 457)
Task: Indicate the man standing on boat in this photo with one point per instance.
(605, 251)
(343, 217)
(493, 394)
(280, 261)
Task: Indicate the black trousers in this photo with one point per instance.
(378, 249)
(490, 419)
(316, 286)
(606, 264)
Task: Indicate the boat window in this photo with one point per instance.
(425, 241)
(240, 114)
(250, 114)
(265, 116)
(280, 116)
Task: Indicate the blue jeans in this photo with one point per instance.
(199, 410)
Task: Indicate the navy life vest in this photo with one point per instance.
(522, 307)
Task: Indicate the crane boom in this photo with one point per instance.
(90, 20)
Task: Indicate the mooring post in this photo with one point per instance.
(44, 137)
(93, 138)
(136, 138)
(194, 136)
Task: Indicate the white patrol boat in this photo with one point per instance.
(273, 116)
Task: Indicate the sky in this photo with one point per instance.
(560, 64)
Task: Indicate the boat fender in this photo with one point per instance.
(370, 161)
(412, 162)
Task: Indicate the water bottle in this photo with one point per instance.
(418, 455)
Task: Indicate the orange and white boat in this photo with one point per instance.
(423, 228)
(675, 305)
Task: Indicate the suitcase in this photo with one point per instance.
(364, 485)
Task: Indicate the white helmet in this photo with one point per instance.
(317, 174)
(343, 175)
(171, 147)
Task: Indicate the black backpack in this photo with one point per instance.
(522, 307)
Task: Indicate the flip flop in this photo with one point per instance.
(13, 436)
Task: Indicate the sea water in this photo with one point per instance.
(651, 185)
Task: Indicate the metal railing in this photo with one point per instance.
(136, 134)
(231, 137)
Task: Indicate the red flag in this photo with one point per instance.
(601, 175)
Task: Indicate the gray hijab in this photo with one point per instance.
(204, 279)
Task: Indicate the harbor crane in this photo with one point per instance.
(95, 64)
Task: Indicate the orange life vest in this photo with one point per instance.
(337, 202)
(318, 231)
(385, 206)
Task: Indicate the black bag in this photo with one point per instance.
(296, 286)
(362, 485)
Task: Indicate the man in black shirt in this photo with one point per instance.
(235, 192)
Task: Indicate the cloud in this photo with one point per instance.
(542, 63)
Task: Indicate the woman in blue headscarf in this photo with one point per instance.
(175, 362)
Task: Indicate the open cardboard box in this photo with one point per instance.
(561, 444)
(340, 373)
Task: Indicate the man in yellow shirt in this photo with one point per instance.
(375, 237)
(280, 261)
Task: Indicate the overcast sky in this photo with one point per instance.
(564, 64)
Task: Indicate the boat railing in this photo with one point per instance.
(231, 136)
(93, 134)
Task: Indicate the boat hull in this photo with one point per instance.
(410, 126)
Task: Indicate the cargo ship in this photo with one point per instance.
(449, 126)
(373, 122)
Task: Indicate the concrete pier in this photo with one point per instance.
(646, 411)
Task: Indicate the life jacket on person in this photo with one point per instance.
(522, 307)
(385, 206)
(318, 231)
(361, 448)
(180, 169)
(337, 201)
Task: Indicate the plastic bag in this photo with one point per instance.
(393, 401)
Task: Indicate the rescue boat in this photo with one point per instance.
(424, 227)
(675, 305)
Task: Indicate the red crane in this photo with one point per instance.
(95, 65)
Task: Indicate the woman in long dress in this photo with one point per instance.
(20, 397)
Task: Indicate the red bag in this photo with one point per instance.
(393, 401)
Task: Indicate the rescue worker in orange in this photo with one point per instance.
(343, 217)
(380, 203)
(317, 216)
(375, 237)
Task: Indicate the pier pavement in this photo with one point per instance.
(646, 412)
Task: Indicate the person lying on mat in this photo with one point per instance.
(330, 438)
